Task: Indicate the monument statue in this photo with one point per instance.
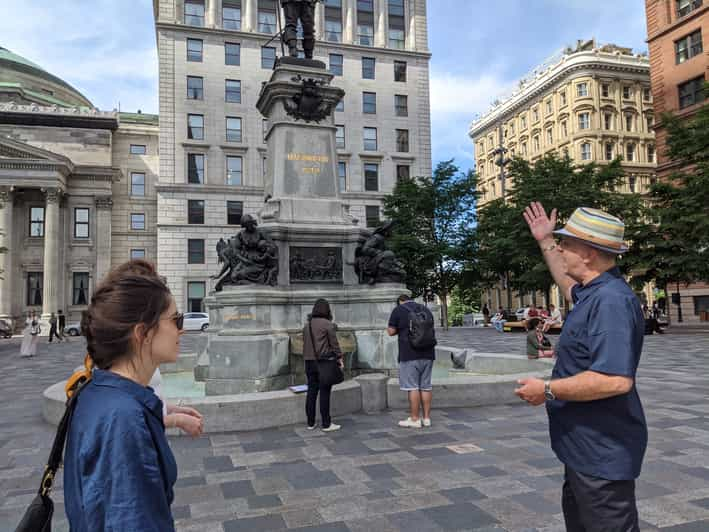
(374, 263)
(249, 257)
(305, 11)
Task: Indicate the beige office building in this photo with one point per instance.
(592, 102)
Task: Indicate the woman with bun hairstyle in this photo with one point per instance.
(119, 471)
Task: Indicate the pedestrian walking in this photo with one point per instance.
(596, 421)
(414, 327)
(61, 318)
(319, 342)
(486, 315)
(26, 336)
(35, 331)
(53, 327)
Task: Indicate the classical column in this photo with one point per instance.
(319, 21)
(103, 237)
(51, 273)
(381, 21)
(349, 31)
(213, 18)
(6, 279)
(249, 8)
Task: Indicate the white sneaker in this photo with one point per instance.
(427, 422)
(332, 428)
(312, 427)
(410, 423)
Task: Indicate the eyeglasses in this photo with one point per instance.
(179, 320)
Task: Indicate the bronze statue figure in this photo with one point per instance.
(305, 11)
(249, 257)
(374, 263)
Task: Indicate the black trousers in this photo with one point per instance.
(594, 504)
(311, 372)
(53, 332)
(306, 12)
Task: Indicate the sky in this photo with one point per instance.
(106, 49)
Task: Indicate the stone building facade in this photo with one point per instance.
(593, 103)
(679, 68)
(215, 54)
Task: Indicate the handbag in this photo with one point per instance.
(38, 516)
(329, 371)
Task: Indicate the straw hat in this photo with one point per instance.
(597, 229)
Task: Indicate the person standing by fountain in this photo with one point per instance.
(119, 471)
(319, 339)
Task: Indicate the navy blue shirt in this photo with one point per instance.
(603, 333)
(119, 470)
(399, 320)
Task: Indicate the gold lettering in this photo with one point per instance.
(293, 156)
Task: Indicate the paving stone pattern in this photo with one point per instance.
(480, 469)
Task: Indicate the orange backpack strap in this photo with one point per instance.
(79, 377)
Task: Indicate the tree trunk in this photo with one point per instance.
(444, 308)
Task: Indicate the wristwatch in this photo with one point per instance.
(547, 391)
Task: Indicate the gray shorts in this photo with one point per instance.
(415, 375)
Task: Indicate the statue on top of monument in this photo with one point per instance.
(305, 11)
(374, 263)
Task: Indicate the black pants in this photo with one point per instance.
(311, 372)
(304, 11)
(598, 505)
(53, 332)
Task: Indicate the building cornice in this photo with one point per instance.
(185, 188)
(592, 61)
(36, 115)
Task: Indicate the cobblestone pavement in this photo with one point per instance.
(374, 476)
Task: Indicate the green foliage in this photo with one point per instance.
(462, 301)
(434, 235)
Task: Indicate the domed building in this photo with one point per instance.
(77, 191)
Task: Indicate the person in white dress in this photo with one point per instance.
(35, 331)
(26, 337)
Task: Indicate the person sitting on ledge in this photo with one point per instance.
(538, 345)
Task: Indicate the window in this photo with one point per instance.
(372, 215)
(342, 175)
(340, 107)
(37, 221)
(585, 151)
(195, 88)
(137, 254)
(371, 177)
(336, 64)
(232, 53)
(550, 136)
(137, 149)
(368, 67)
(523, 122)
(234, 211)
(340, 137)
(688, 47)
(231, 15)
(402, 140)
(524, 148)
(137, 221)
(684, 7)
(233, 129)
(701, 304)
(584, 121)
(627, 94)
(195, 296)
(403, 172)
(80, 295)
(370, 139)
(649, 121)
(195, 251)
(195, 211)
(536, 143)
(631, 183)
(647, 94)
(233, 170)
(605, 90)
(609, 151)
(195, 168)
(607, 121)
(194, 50)
(397, 25)
(333, 20)
(365, 22)
(194, 12)
(629, 151)
(232, 90)
(549, 107)
(401, 105)
(564, 129)
(582, 90)
(400, 71)
(628, 122)
(267, 16)
(35, 286)
(369, 103)
(650, 153)
(81, 222)
(137, 184)
(535, 115)
(512, 128)
(562, 97)
(195, 127)
(268, 57)
(691, 92)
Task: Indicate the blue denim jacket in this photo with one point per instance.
(119, 470)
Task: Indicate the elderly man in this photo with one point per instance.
(305, 11)
(596, 422)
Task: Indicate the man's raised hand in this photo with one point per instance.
(539, 223)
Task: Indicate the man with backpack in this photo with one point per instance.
(414, 325)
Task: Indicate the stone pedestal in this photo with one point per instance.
(374, 392)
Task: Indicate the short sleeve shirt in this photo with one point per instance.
(603, 333)
(399, 320)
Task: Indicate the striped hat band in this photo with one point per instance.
(596, 227)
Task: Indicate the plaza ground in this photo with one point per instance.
(477, 469)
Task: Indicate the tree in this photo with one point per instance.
(434, 234)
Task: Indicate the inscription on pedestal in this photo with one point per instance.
(316, 265)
